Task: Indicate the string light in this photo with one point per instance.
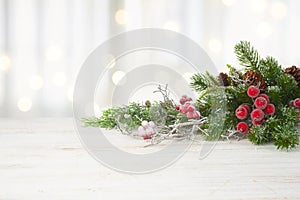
(5, 62)
(121, 17)
(215, 45)
(59, 79)
(228, 2)
(278, 10)
(24, 104)
(54, 53)
(36, 82)
(118, 78)
(172, 25)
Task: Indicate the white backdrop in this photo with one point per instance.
(44, 42)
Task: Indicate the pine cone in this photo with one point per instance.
(294, 72)
(223, 78)
(254, 78)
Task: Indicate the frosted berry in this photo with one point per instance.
(145, 124)
(190, 115)
(246, 106)
(265, 96)
(260, 102)
(182, 101)
(257, 123)
(257, 114)
(297, 103)
(147, 137)
(270, 109)
(253, 91)
(151, 124)
(189, 99)
(291, 103)
(190, 109)
(241, 112)
(242, 127)
(177, 108)
(196, 115)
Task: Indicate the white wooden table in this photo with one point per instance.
(43, 159)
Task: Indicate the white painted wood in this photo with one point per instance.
(43, 159)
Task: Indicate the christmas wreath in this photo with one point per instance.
(259, 102)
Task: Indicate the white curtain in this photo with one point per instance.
(44, 42)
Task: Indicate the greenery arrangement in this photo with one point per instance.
(259, 102)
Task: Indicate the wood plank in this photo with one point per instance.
(43, 159)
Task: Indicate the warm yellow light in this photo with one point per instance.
(36, 82)
(24, 104)
(228, 2)
(118, 77)
(121, 17)
(5, 62)
(278, 10)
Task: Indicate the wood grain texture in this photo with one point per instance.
(43, 159)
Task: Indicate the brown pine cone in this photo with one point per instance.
(294, 72)
(223, 79)
(254, 78)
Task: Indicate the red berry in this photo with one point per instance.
(264, 96)
(291, 104)
(244, 105)
(189, 99)
(241, 112)
(190, 115)
(253, 91)
(270, 109)
(257, 114)
(177, 108)
(242, 127)
(182, 101)
(297, 103)
(147, 137)
(182, 109)
(196, 115)
(260, 102)
(256, 123)
(190, 109)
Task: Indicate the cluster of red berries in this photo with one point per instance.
(187, 108)
(261, 109)
(295, 103)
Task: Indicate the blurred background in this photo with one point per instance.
(43, 43)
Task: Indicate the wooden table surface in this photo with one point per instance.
(43, 159)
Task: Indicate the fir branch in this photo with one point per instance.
(201, 81)
(247, 55)
(259, 135)
(270, 70)
(285, 137)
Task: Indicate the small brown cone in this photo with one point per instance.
(223, 78)
(254, 78)
(294, 72)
